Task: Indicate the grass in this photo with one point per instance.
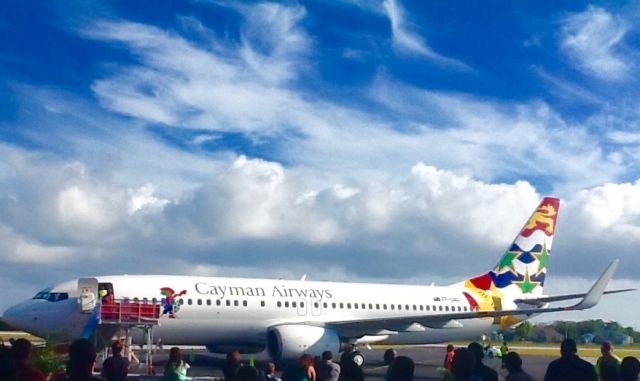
(6, 335)
(527, 348)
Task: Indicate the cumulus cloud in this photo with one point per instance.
(594, 40)
(252, 212)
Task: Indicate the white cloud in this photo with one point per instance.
(219, 90)
(406, 41)
(610, 213)
(144, 200)
(273, 41)
(593, 39)
(432, 218)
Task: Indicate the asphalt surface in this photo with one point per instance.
(428, 362)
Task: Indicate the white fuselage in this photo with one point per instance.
(221, 312)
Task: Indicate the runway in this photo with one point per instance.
(428, 362)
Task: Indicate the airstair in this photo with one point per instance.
(117, 318)
(127, 315)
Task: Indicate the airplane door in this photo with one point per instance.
(87, 294)
(302, 307)
(316, 307)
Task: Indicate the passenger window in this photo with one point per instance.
(286, 304)
(341, 305)
(440, 308)
(228, 302)
(199, 302)
(316, 305)
(218, 302)
(324, 305)
(301, 304)
(406, 307)
(363, 306)
(244, 303)
(355, 305)
(348, 305)
(399, 306)
(189, 301)
(136, 300)
(208, 302)
(293, 304)
(384, 306)
(427, 307)
(262, 303)
(377, 306)
(392, 306)
(333, 305)
(154, 300)
(235, 303)
(279, 303)
(370, 306)
(181, 302)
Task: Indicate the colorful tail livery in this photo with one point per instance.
(522, 270)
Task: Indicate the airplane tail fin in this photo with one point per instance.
(521, 271)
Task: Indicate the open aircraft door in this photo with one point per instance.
(87, 294)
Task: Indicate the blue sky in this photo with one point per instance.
(364, 137)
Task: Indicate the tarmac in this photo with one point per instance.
(428, 361)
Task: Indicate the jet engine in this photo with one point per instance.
(288, 342)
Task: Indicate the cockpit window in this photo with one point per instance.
(46, 294)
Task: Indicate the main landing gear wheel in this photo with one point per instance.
(357, 357)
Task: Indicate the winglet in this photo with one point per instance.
(595, 293)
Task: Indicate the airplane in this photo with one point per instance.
(287, 318)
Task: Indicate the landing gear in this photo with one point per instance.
(357, 357)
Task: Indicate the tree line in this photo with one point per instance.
(595, 331)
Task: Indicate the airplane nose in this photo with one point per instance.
(11, 316)
(17, 316)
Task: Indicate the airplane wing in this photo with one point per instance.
(382, 326)
(557, 298)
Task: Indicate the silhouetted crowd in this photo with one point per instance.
(461, 364)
